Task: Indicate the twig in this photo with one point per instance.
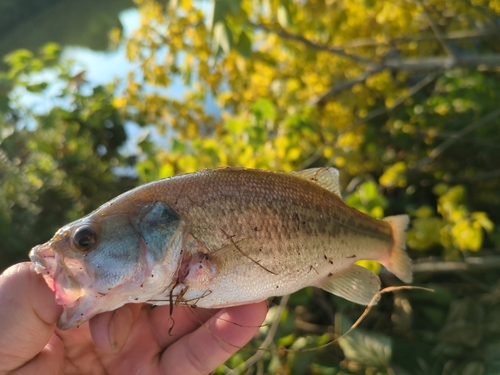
(446, 144)
(337, 89)
(370, 116)
(492, 18)
(310, 327)
(267, 341)
(469, 264)
(422, 64)
(485, 61)
(230, 238)
(318, 47)
(446, 46)
(475, 177)
(454, 35)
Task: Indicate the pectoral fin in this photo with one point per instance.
(356, 284)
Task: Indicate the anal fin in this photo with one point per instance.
(356, 284)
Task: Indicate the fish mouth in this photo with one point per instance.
(67, 278)
(44, 261)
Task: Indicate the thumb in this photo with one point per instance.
(28, 314)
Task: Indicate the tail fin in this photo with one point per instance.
(399, 263)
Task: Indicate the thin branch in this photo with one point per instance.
(492, 18)
(310, 327)
(376, 113)
(370, 116)
(475, 177)
(482, 62)
(437, 33)
(462, 133)
(313, 45)
(427, 133)
(470, 264)
(337, 89)
(454, 35)
(267, 341)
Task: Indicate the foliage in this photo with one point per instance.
(401, 96)
(54, 166)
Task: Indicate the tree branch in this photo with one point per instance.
(315, 46)
(337, 89)
(475, 177)
(490, 61)
(370, 116)
(469, 264)
(454, 35)
(454, 138)
(437, 33)
(484, 62)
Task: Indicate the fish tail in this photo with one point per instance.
(399, 263)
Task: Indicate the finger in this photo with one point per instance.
(48, 361)
(28, 314)
(184, 319)
(110, 330)
(208, 347)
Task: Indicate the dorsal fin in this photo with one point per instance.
(327, 178)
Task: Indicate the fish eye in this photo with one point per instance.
(84, 238)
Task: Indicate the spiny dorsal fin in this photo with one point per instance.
(324, 177)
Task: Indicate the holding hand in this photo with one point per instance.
(134, 339)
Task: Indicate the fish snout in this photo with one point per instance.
(43, 258)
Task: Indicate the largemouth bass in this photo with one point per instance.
(219, 238)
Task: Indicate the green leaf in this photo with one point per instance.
(51, 52)
(221, 9)
(264, 109)
(178, 146)
(37, 87)
(367, 348)
(244, 46)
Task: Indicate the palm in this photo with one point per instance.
(148, 345)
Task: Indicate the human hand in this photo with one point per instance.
(134, 339)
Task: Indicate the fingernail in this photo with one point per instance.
(119, 328)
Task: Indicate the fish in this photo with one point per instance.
(218, 238)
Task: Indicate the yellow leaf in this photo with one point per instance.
(119, 103)
(372, 265)
(467, 236)
(442, 109)
(394, 175)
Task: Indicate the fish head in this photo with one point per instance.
(111, 257)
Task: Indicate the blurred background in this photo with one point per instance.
(401, 96)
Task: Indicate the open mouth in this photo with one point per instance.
(59, 274)
(44, 260)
